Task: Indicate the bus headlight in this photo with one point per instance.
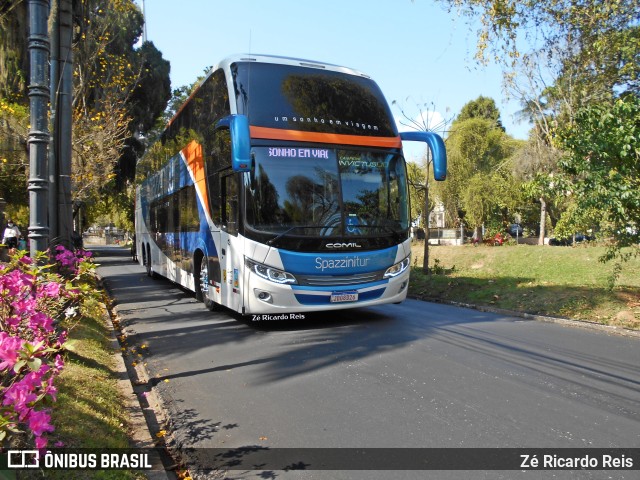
(270, 273)
(398, 268)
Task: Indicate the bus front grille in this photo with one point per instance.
(328, 280)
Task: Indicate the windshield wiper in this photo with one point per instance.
(289, 230)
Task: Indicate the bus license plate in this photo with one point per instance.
(338, 297)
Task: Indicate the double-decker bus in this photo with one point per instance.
(280, 187)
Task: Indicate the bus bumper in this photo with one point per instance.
(267, 297)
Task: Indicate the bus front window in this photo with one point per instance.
(315, 192)
(287, 191)
(373, 193)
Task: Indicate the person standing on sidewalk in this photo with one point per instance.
(11, 235)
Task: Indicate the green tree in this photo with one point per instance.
(559, 55)
(14, 62)
(119, 91)
(602, 167)
(600, 36)
(147, 103)
(14, 129)
(14, 112)
(480, 186)
(536, 166)
(481, 107)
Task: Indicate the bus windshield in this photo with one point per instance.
(311, 192)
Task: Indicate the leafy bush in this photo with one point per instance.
(39, 302)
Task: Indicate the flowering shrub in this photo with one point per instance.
(36, 303)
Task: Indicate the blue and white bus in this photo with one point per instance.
(280, 187)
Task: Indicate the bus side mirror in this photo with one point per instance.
(238, 126)
(438, 150)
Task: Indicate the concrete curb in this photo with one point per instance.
(539, 318)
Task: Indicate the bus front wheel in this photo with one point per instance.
(202, 290)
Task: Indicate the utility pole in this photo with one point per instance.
(38, 140)
(144, 28)
(60, 206)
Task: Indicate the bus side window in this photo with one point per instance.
(230, 201)
(218, 161)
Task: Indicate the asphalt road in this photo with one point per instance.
(414, 375)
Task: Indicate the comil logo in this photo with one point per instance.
(344, 245)
(23, 459)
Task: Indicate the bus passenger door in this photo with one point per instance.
(231, 248)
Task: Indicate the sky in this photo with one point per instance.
(419, 54)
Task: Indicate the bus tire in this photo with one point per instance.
(150, 271)
(202, 287)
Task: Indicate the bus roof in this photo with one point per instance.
(287, 61)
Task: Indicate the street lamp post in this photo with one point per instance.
(39, 131)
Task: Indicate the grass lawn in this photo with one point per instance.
(568, 282)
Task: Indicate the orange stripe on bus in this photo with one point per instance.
(195, 162)
(300, 136)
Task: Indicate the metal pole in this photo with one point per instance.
(60, 207)
(64, 122)
(38, 132)
(53, 150)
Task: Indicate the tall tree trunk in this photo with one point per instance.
(543, 220)
(425, 257)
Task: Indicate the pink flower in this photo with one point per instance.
(51, 289)
(58, 363)
(14, 282)
(41, 321)
(41, 442)
(62, 337)
(24, 305)
(51, 390)
(65, 257)
(33, 380)
(9, 347)
(27, 260)
(19, 395)
(13, 321)
(40, 422)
